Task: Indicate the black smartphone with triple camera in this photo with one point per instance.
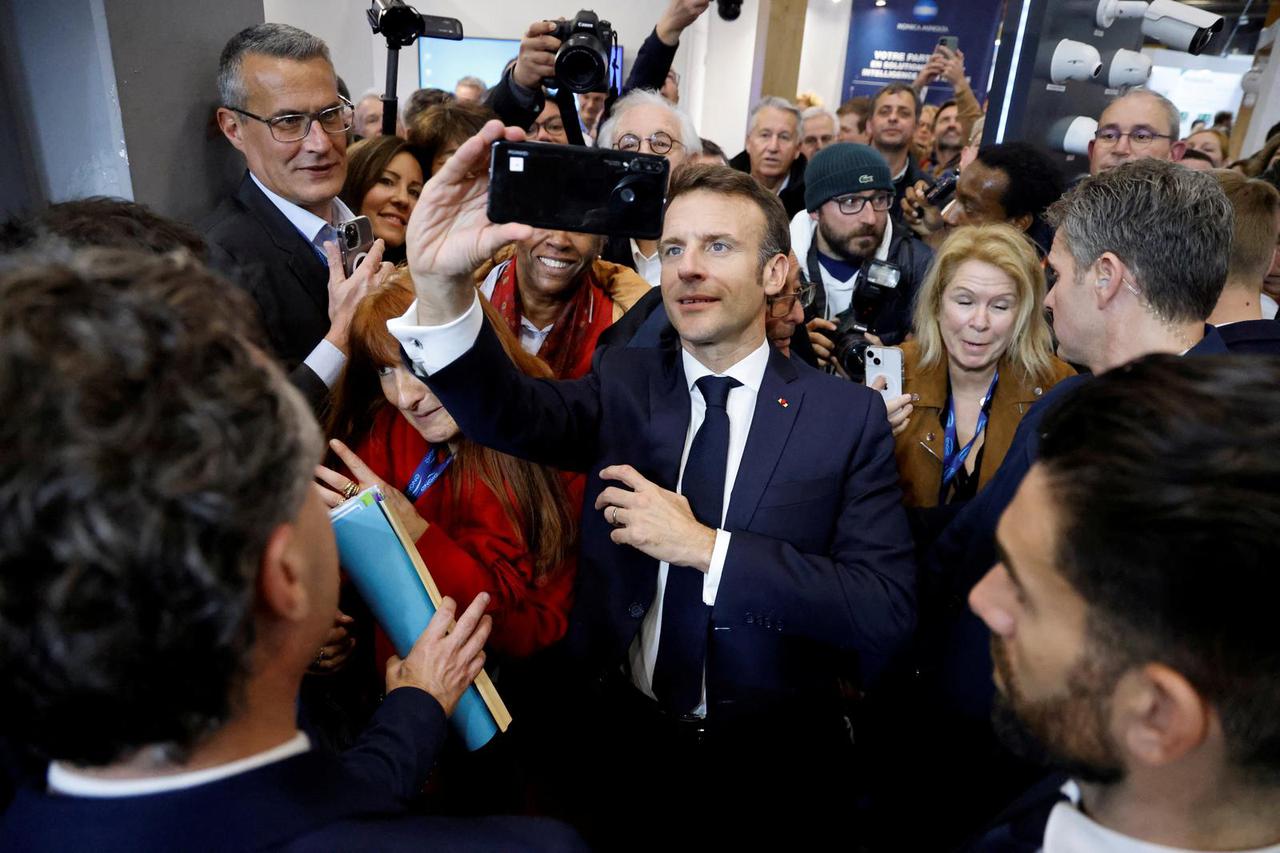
(572, 188)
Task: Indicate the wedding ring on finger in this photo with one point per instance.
(351, 490)
(613, 519)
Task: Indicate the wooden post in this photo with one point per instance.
(783, 41)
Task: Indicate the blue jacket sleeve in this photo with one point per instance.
(397, 750)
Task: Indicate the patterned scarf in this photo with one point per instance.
(570, 345)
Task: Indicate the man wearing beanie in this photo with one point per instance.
(846, 226)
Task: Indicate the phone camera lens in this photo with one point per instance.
(875, 360)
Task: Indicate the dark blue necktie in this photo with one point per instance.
(682, 645)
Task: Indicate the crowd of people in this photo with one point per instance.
(733, 595)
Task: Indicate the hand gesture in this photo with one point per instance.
(536, 60)
(337, 647)
(338, 485)
(449, 232)
(345, 293)
(654, 520)
(447, 657)
(822, 344)
(951, 66)
(678, 16)
(930, 72)
(922, 217)
(899, 407)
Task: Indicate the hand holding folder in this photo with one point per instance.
(386, 568)
(449, 655)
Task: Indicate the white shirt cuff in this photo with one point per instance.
(326, 361)
(433, 348)
(711, 583)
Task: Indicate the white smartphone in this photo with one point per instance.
(886, 362)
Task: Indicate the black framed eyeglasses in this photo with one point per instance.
(659, 142)
(293, 127)
(1139, 137)
(853, 204)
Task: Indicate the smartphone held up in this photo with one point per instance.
(572, 188)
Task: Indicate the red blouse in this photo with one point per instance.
(471, 547)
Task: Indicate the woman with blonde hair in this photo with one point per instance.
(981, 355)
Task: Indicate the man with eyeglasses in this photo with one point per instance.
(281, 109)
(848, 193)
(1137, 124)
(646, 122)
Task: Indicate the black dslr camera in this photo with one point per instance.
(879, 282)
(586, 47)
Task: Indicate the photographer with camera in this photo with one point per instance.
(518, 98)
(866, 270)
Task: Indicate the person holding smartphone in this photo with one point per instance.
(981, 355)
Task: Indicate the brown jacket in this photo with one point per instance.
(919, 447)
(623, 284)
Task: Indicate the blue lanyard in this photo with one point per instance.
(429, 470)
(952, 460)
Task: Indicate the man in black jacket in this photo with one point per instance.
(168, 574)
(518, 97)
(772, 153)
(280, 107)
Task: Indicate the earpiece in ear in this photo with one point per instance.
(1103, 282)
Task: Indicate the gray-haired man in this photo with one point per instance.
(772, 154)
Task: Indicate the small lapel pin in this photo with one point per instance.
(782, 401)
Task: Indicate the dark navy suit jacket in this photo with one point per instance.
(965, 551)
(314, 801)
(1260, 337)
(820, 561)
(256, 246)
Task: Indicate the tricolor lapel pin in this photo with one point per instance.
(782, 401)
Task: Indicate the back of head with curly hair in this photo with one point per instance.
(147, 452)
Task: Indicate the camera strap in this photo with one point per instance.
(429, 470)
(953, 459)
(568, 105)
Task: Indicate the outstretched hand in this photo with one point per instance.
(449, 232)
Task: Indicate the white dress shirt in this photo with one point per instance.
(434, 347)
(64, 780)
(840, 293)
(649, 266)
(1072, 831)
(1268, 307)
(325, 360)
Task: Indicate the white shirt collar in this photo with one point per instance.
(1072, 831)
(307, 223)
(749, 370)
(64, 780)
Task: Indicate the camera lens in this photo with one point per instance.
(627, 195)
(350, 231)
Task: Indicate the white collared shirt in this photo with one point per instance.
(1072, 831)
(325, 359)
(531, 337)
(432, 348)
(62, 779)
(649, 266)
(1268, 307)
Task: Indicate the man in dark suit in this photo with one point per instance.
(742, 533)
(281, 108)
(1139, 259)
(1238, 314)
(1131, 610)
(167, 575)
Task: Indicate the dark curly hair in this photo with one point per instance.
(146, 453)
(102, 221)
(1035, 181)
